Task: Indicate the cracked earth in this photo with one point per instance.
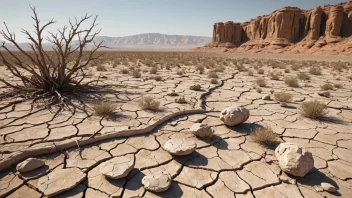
(227, 165)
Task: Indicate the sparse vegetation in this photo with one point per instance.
(200, 68)
(259, 90)
(136, 74)
(153, 70)
(303, 76)
(283, 97)
(264, 136)
(261, 82)
(326, 87)
(101, 68)
(313, 109)
(148, 103)
(158, 78)
(214, 81)
(315, 71)
(260, 71)
(212, 74)
(338, 86)
(104, 108)
(124, 71)
(291, 81)
(287, 70)
(250, 72)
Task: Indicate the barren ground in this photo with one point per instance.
(228, 165)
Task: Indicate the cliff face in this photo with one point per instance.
(288, 27)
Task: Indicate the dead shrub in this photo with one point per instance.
(295, 67)
(104, 108)
(214, 81)
(261, 71)
(250, 72)
(212, 74)
(264, 136)
(313, 109)
(287, 70)
(101, 68)
(148, 103)
(283, 97)
(158, 78)
(259, 90)
(136, 74)
(200, 68)
(153, 70)
(338, 86)
(124, 71)
(291, 81)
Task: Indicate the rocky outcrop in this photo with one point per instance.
(289, 29)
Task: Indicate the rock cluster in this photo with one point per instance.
(293, 159)
(232, 116)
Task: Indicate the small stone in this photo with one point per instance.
(180, 100)
(172, 93)
(232, 116)
(117, 167)
(328, 187)
(29, 165)
(180, 146)
(266, 97)
(195, 87)
(202, 130)
(283, 104)
(293, 159)
(157, 182)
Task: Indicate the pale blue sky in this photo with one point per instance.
(129, 17)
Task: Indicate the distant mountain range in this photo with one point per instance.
(144, 41)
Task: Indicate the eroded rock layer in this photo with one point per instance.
(290, 29)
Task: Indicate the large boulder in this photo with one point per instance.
(29, 165)
(117, 167)
(157, 182)
(293, 159)
(202, 130)
(232, 116)
(180, 146)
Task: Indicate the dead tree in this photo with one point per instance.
(50, 73)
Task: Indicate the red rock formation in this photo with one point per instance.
(289, 28)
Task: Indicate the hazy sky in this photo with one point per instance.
(129, 17)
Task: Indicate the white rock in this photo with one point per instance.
(180, 146)
(29, 165)
(117, 167)
(202, 130)
(293, 159)
(232, 116)
(328, 187)
(157, 182)
(266, 97)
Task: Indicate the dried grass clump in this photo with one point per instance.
(101, 68)
(104, 108)
(153, 70)
(326, 87)
(338, 86)
(148, 103)
(250, 72)
(295, 67)
(241, 68)
(259, 90)
(313, 109)
(315, 70)
(200, 68)
(136, 73)
(261, 71)
(283, 97)
(264, 136)
(212, 74)
(291, 81)
(158, 78)
(261, 82)
(124, 71)
(180, 72)
(214, 81)
(287, 70)
(219, 69)
(274, 76)
(303, 76)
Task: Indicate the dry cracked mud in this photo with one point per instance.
(229, 164)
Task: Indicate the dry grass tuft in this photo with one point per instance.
(313, 109)
(200, 68)
(124, 71)
(250, 72)
(212, 74)
(260, 82)
(103, 108)
(287, 70)
(291, 81)
(283, 97)
(158, 78)
(295, 67)
(315, 70)
(148, 103)
(264, 136)
(136, 74)
(261, 71)
(153, 70)
(326, 87)
(338, 86)
(259, 90)
(303, 76)
(214, 81)
(101, 68)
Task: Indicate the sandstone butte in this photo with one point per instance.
(323, 30)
